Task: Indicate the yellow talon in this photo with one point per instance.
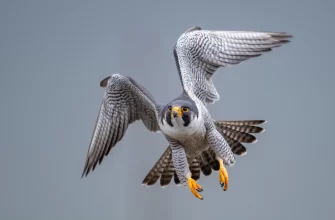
(224, 179)
(194, 187)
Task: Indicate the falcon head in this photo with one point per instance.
(180, 113)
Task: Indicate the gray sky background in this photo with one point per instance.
(53, 55)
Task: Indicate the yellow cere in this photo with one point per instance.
(178, 110)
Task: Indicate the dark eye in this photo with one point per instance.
(185, 109)
(169, 108)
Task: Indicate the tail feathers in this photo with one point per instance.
(167, 174)
(213, 162)
(205, 168)
(195, 169)
(236, 147)
(236, 132)
(164, 168)
(208, 162)
(176, 179)
(158, 168)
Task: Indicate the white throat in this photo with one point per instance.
(179, 131)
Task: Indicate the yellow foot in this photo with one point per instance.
(195, 188)
(224, 179)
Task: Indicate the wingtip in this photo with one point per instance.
(83, 173)
(289, 35)
(283, 38)
(282, 34)
(195, 28)
(285, 41)
(104, 82)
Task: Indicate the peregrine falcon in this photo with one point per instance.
(195, 140)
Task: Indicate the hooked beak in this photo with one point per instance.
(176, 112)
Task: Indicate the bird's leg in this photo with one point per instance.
(194, 187)
(181, 166)
(223, 175)
(223, 152)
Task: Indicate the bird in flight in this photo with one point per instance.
(196, 141)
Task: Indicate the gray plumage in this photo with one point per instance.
(196, 141)
(124, 102)
(206, 162)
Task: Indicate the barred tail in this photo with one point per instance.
(237, 132)
(164, 170)
(157, 170)
(167, 174)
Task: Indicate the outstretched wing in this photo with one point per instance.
(199, 53)
(124, 102)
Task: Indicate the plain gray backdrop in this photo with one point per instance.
(53, 55)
